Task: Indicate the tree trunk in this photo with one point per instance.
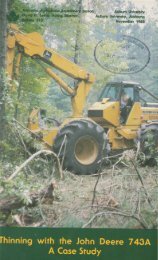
(10, 203)
(3, 35)
(78, 33)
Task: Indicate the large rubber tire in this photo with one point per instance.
(84, 142)
(149, 144)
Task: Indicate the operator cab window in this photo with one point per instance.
(111, 91)
(127, 95)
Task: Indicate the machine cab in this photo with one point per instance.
(115, 90)
(118, 104)
(126, 93)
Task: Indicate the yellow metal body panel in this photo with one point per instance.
(122, 136)
(117, 141)
(110, 111)
(127, 132)
(134, 118)
(49, 135)
(149, 113)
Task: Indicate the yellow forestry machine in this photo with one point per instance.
(116, 122)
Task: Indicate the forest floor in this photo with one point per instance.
(112, 200)
(118, 197)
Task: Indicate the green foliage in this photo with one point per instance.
(151, 145)
(16, 15)
(10, 148)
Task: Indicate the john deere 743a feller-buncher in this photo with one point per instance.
(119, 120)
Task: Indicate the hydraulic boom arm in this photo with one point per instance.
(32, 45)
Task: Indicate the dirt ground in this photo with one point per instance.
(120, 196)
(117, 198)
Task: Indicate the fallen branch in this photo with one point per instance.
(47, 152)
(115, 213)
(95, 188)
(98, 178)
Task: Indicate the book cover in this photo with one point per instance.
(79, 129)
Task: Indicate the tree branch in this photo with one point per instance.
(31, 158)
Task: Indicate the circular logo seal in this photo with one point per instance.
(122, 54)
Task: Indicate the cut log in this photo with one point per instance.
(13, 202)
